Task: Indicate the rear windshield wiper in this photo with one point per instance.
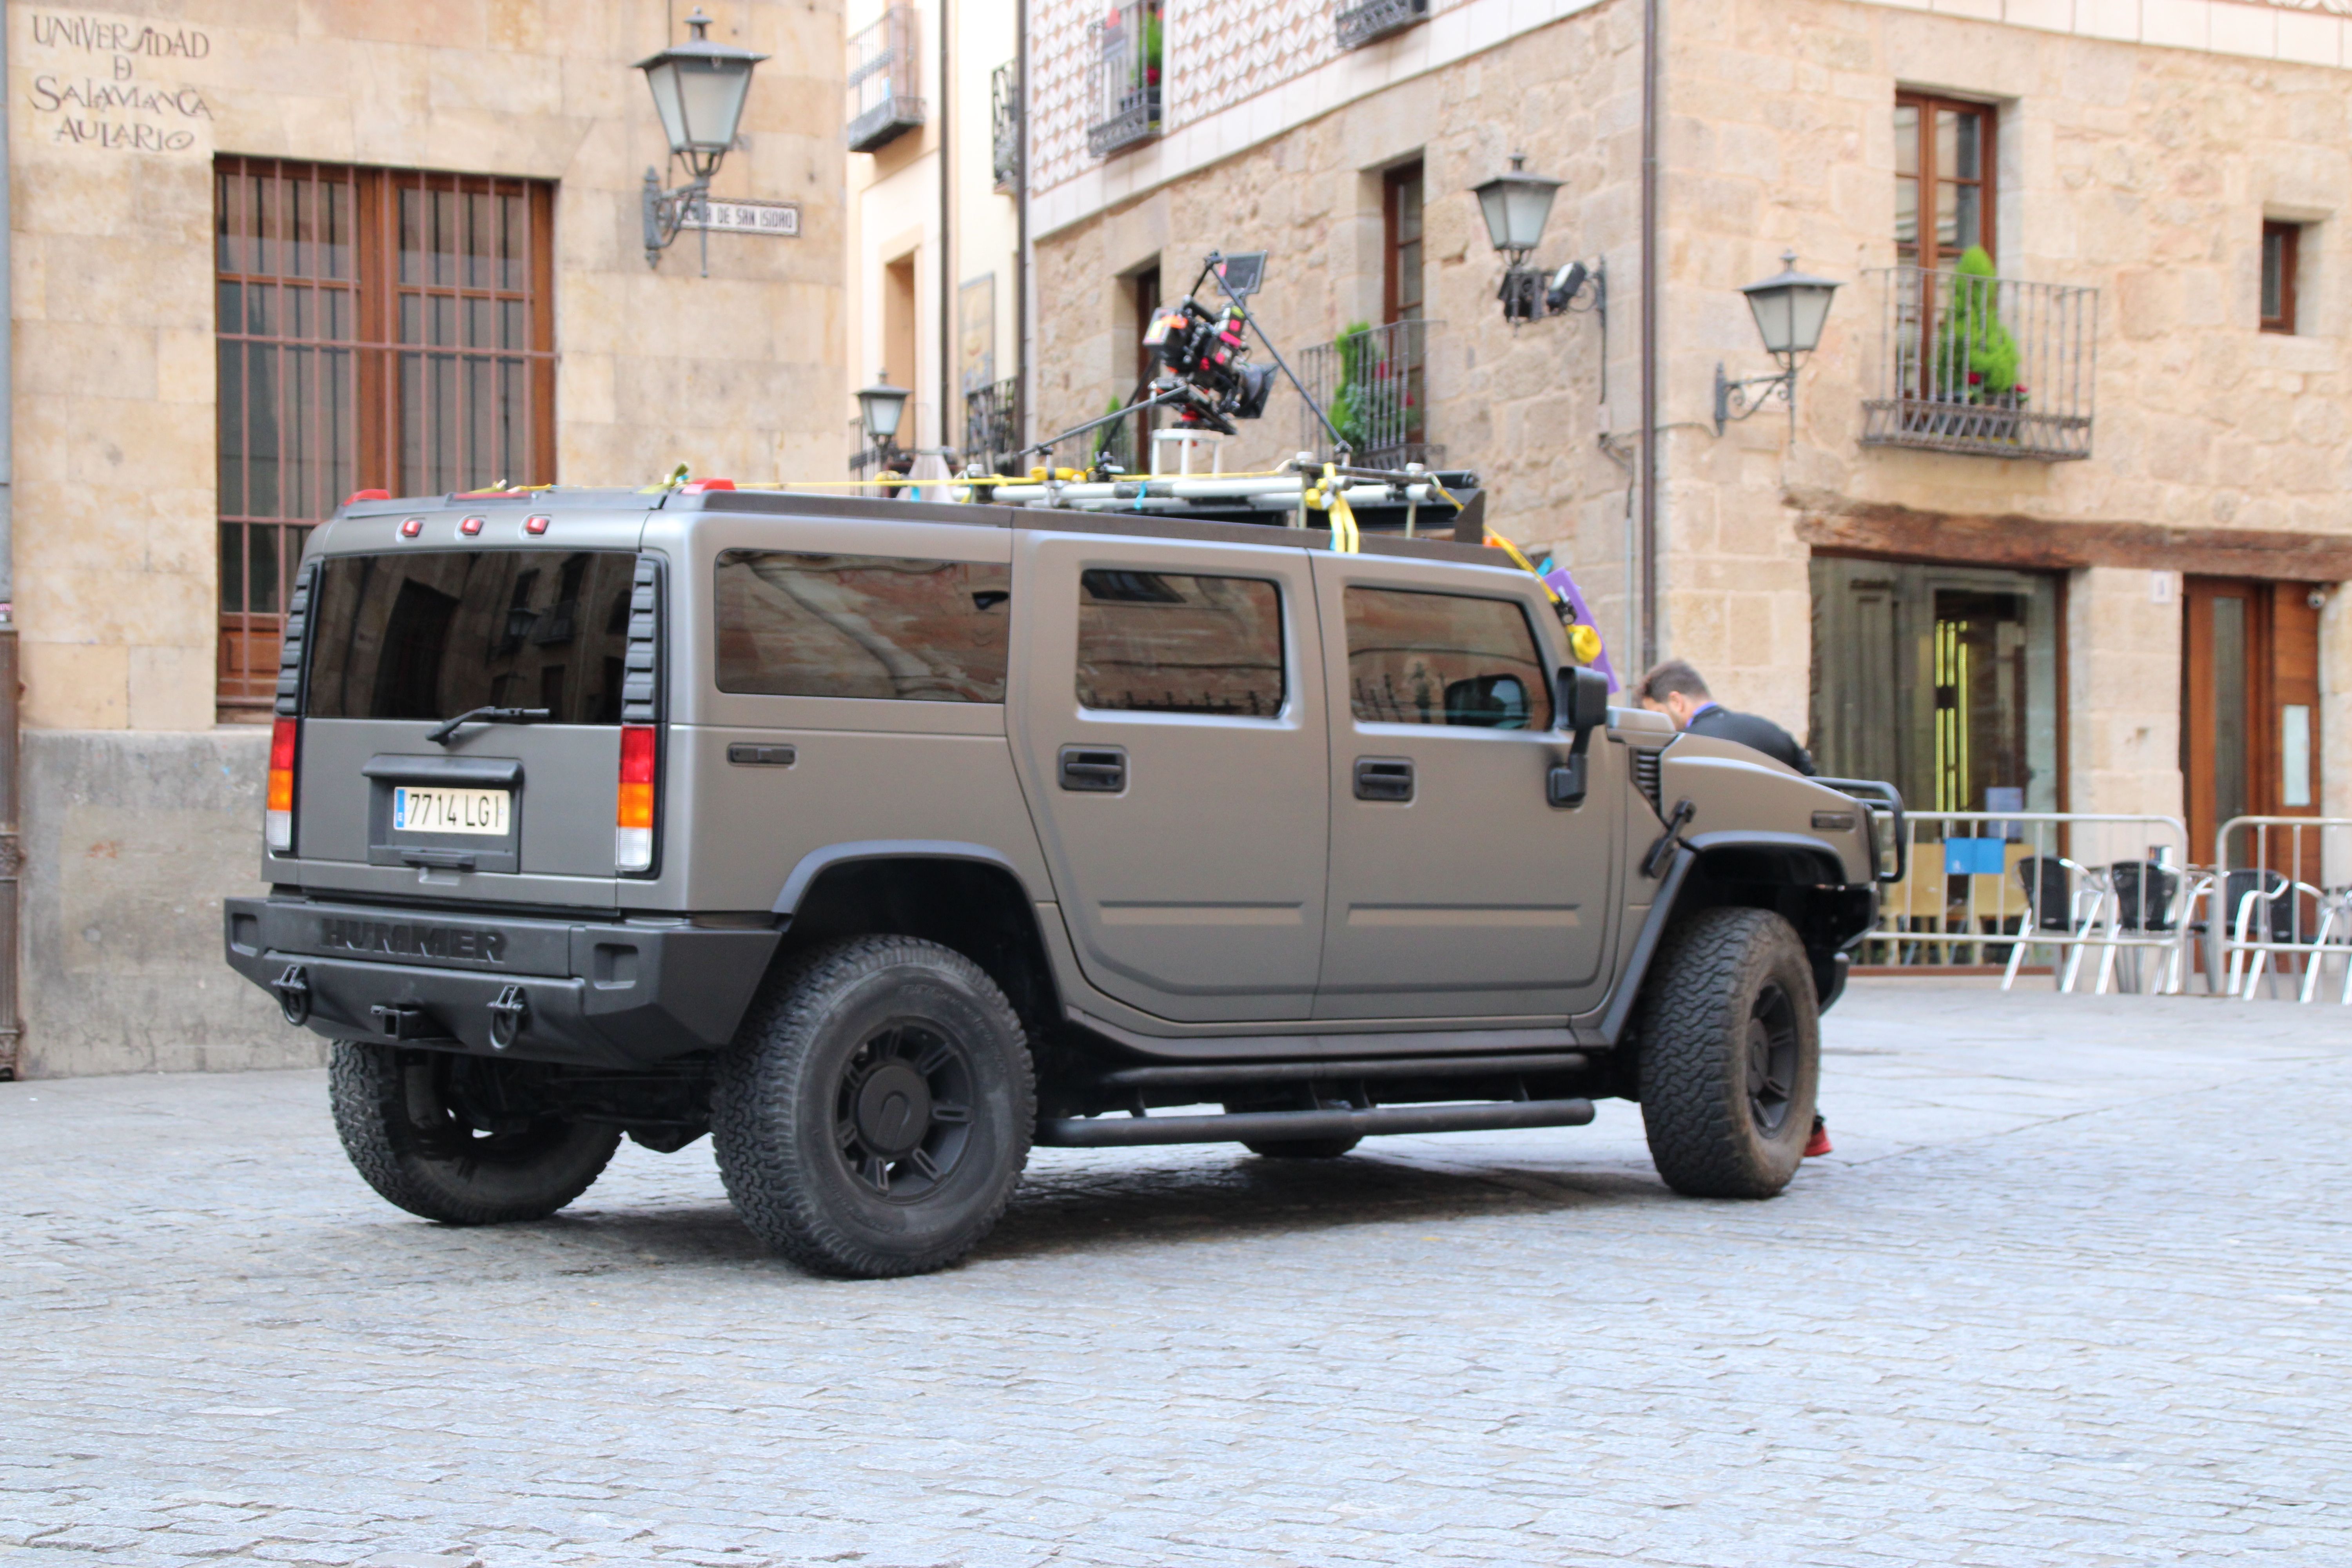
(440, 737)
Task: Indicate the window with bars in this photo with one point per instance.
(378, 328)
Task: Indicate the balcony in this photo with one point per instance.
(991, 425)
(1374, 19)
(1984, 365)
(1005, 126)
(1374, 382)
(883, 87)
(1123, 81)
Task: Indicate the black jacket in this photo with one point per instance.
(1749, 729)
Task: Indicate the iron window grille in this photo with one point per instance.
(377, 329)
(1373, 384)
(1986, 366)
(1362, 24)
(884, 89)
(1004, 124)
(991, 425)
(1124, 85)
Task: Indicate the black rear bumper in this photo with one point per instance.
(620, 995)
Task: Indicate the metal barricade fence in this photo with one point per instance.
(2279, 899)
(1984, 890)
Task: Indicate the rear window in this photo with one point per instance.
(1177, 643)
(863, 625)
(435, 633)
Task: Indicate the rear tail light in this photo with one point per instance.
(633, 832)
(277, 817)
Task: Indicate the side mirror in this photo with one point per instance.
(1583, 703)
(1583, 699)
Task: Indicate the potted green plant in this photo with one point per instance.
(1352, 399)
(1976, 357)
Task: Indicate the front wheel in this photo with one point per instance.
(1730, 1054)
(874, 1112)
(457, 1138)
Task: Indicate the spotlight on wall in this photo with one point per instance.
(698, 90)
(1789, 308)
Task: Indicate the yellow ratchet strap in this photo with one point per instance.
(1330, 496)
(1513, 550)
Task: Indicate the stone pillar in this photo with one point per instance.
(2122, 691)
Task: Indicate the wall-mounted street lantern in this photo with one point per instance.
(880, 408)
(699, 90)
(1790, 308)
(1516, 207)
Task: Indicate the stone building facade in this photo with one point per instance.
(266, 254)
(2104, 581)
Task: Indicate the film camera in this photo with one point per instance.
(1205, 372)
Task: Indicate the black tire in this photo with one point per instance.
(455, 1139)
(1304, 1148)
(1730, 1054)
(828, 1114)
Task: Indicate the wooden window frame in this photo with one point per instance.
(1392, 184)
(245, 671)
(2290, 237)
(1929, 253)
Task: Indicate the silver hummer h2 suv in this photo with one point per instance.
(882, 840)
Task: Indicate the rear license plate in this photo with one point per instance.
(416, 809)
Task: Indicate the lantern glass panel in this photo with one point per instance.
(1773, 312)
(1529, 203)
(662, 76)
(882, 408)
(710, 98)
(1808, 311)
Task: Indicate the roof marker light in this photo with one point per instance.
(535, 525)
(410, 527)
(359, 496)
(697, 487)
(469, 526)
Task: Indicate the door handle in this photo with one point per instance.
(1098, 769)
(1383, 778)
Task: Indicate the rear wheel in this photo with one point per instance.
(1730, 1054)
(874, 1113)
(458, 1139)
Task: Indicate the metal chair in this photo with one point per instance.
(2051, 887)
(2334, 938)
(2148, 902)
(2245, 893)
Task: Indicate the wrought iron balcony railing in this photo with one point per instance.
(1986, 366)
(884, 86)
(991, 425)
(1373, 383)
(1368, 20)
(1124, 85)
(1005, 125)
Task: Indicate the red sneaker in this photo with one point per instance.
(1819, 1144)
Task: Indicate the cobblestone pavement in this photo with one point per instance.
(2073, 1290)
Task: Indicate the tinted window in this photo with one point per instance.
(1175, 643)
(1444, 658)
(862, 625)
(432, 634)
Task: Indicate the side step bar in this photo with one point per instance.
(1324, 1071)
(1124, 1132)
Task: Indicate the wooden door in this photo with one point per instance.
(2249, 740)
